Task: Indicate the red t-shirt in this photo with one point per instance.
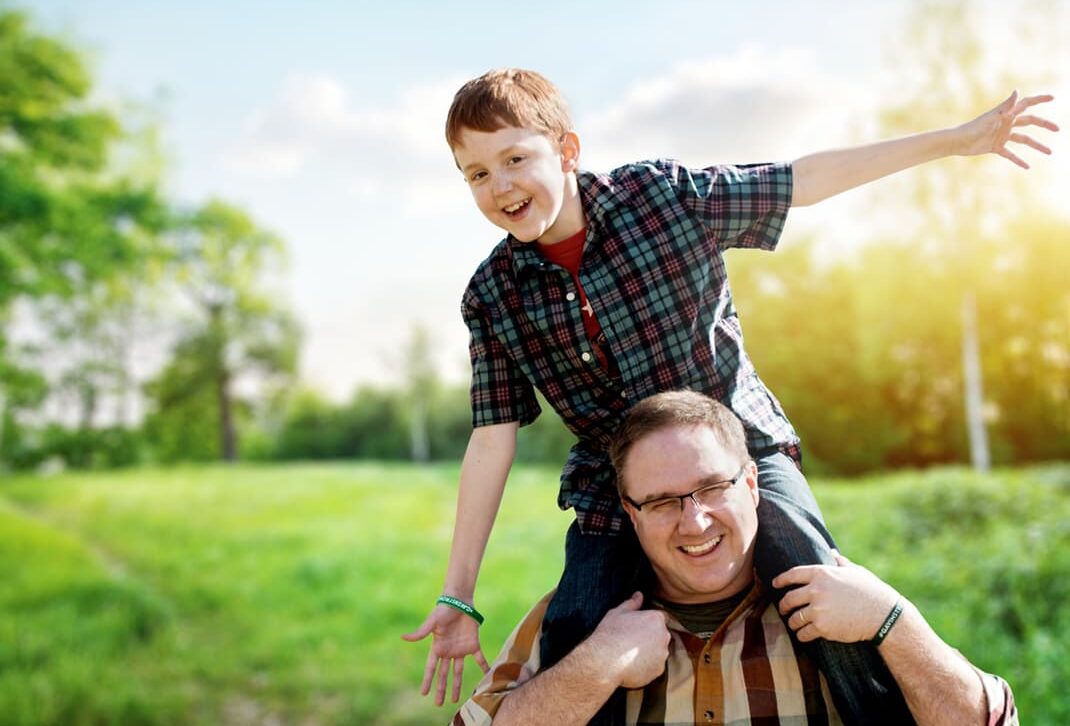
(568, 253)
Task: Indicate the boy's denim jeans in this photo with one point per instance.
(602, 571)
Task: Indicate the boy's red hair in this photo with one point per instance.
(508, 97)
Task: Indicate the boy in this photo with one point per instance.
(607, 289)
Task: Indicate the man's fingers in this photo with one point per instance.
(807, 633)
(800, 575)
(478, 655)
(1028, 119)
(458, 676)
(1030, 141)
(633, 603)
(795, 599)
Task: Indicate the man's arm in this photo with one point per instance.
(827, 173)
(628, 649)
(849, 604)
(484, 471)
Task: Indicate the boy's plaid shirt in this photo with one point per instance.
(653, 271)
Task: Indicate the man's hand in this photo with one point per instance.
(990, 132)
(844, 603)
(632, 644)
(454, 636)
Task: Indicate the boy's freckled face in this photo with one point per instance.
(522, 182)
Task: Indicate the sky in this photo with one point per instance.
(324, 120)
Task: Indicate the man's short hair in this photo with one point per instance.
(508, 97)
(677, 408)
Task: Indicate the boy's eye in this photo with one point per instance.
(477, 176)
(516, 159)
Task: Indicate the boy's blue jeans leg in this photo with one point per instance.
(791, 532)
(601, 572)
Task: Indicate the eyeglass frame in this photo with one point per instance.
(691, 494)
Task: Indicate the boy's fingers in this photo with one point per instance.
(1012, 157)
(1028, 119)
(1030, 141)
(443, 676)
(478, 655)
(458, 676)
(419, 634)
(429, 673)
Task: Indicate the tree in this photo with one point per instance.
(239, 336)
(942, 60)
(68, 221)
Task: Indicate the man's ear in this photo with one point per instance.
(570, 151)
(751, 478)
(631, 512)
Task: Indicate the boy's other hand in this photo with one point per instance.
(992, 131)
(454, 636)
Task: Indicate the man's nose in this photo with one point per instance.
(693, 519)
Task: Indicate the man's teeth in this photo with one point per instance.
(514, 207)
(701, 549)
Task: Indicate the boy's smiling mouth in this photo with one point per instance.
(514, 210)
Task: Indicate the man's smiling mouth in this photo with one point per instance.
(703, 548)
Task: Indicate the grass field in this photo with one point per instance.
(276, 595)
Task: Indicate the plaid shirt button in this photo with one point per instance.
(571, 296)
(586, 357)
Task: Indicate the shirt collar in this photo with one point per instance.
(756, 598)
(597, 196)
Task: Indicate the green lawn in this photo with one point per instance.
(277, 594)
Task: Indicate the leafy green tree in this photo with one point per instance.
(239, 335)
(69, 219)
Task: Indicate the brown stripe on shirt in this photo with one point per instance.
(757, 673)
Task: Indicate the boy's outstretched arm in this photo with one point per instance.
(827, 173)
(485, 468)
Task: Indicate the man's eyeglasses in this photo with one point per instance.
(707, 497)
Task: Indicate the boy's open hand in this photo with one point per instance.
(454, 636)
(990, 132)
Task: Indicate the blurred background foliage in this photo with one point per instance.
(226, 594)
(864, 351)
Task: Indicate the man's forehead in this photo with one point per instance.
(677, 456)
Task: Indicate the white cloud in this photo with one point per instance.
(314, 123)
(754, 105)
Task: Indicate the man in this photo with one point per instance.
(711, 647)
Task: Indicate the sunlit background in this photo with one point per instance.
(234, 231)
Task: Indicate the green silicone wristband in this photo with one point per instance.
(462, 606)
(888, 622)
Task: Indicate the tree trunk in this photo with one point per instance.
(419, 439)
(971, 368)
(228, 439)
(228, 445)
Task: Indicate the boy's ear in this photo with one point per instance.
(570, 151)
